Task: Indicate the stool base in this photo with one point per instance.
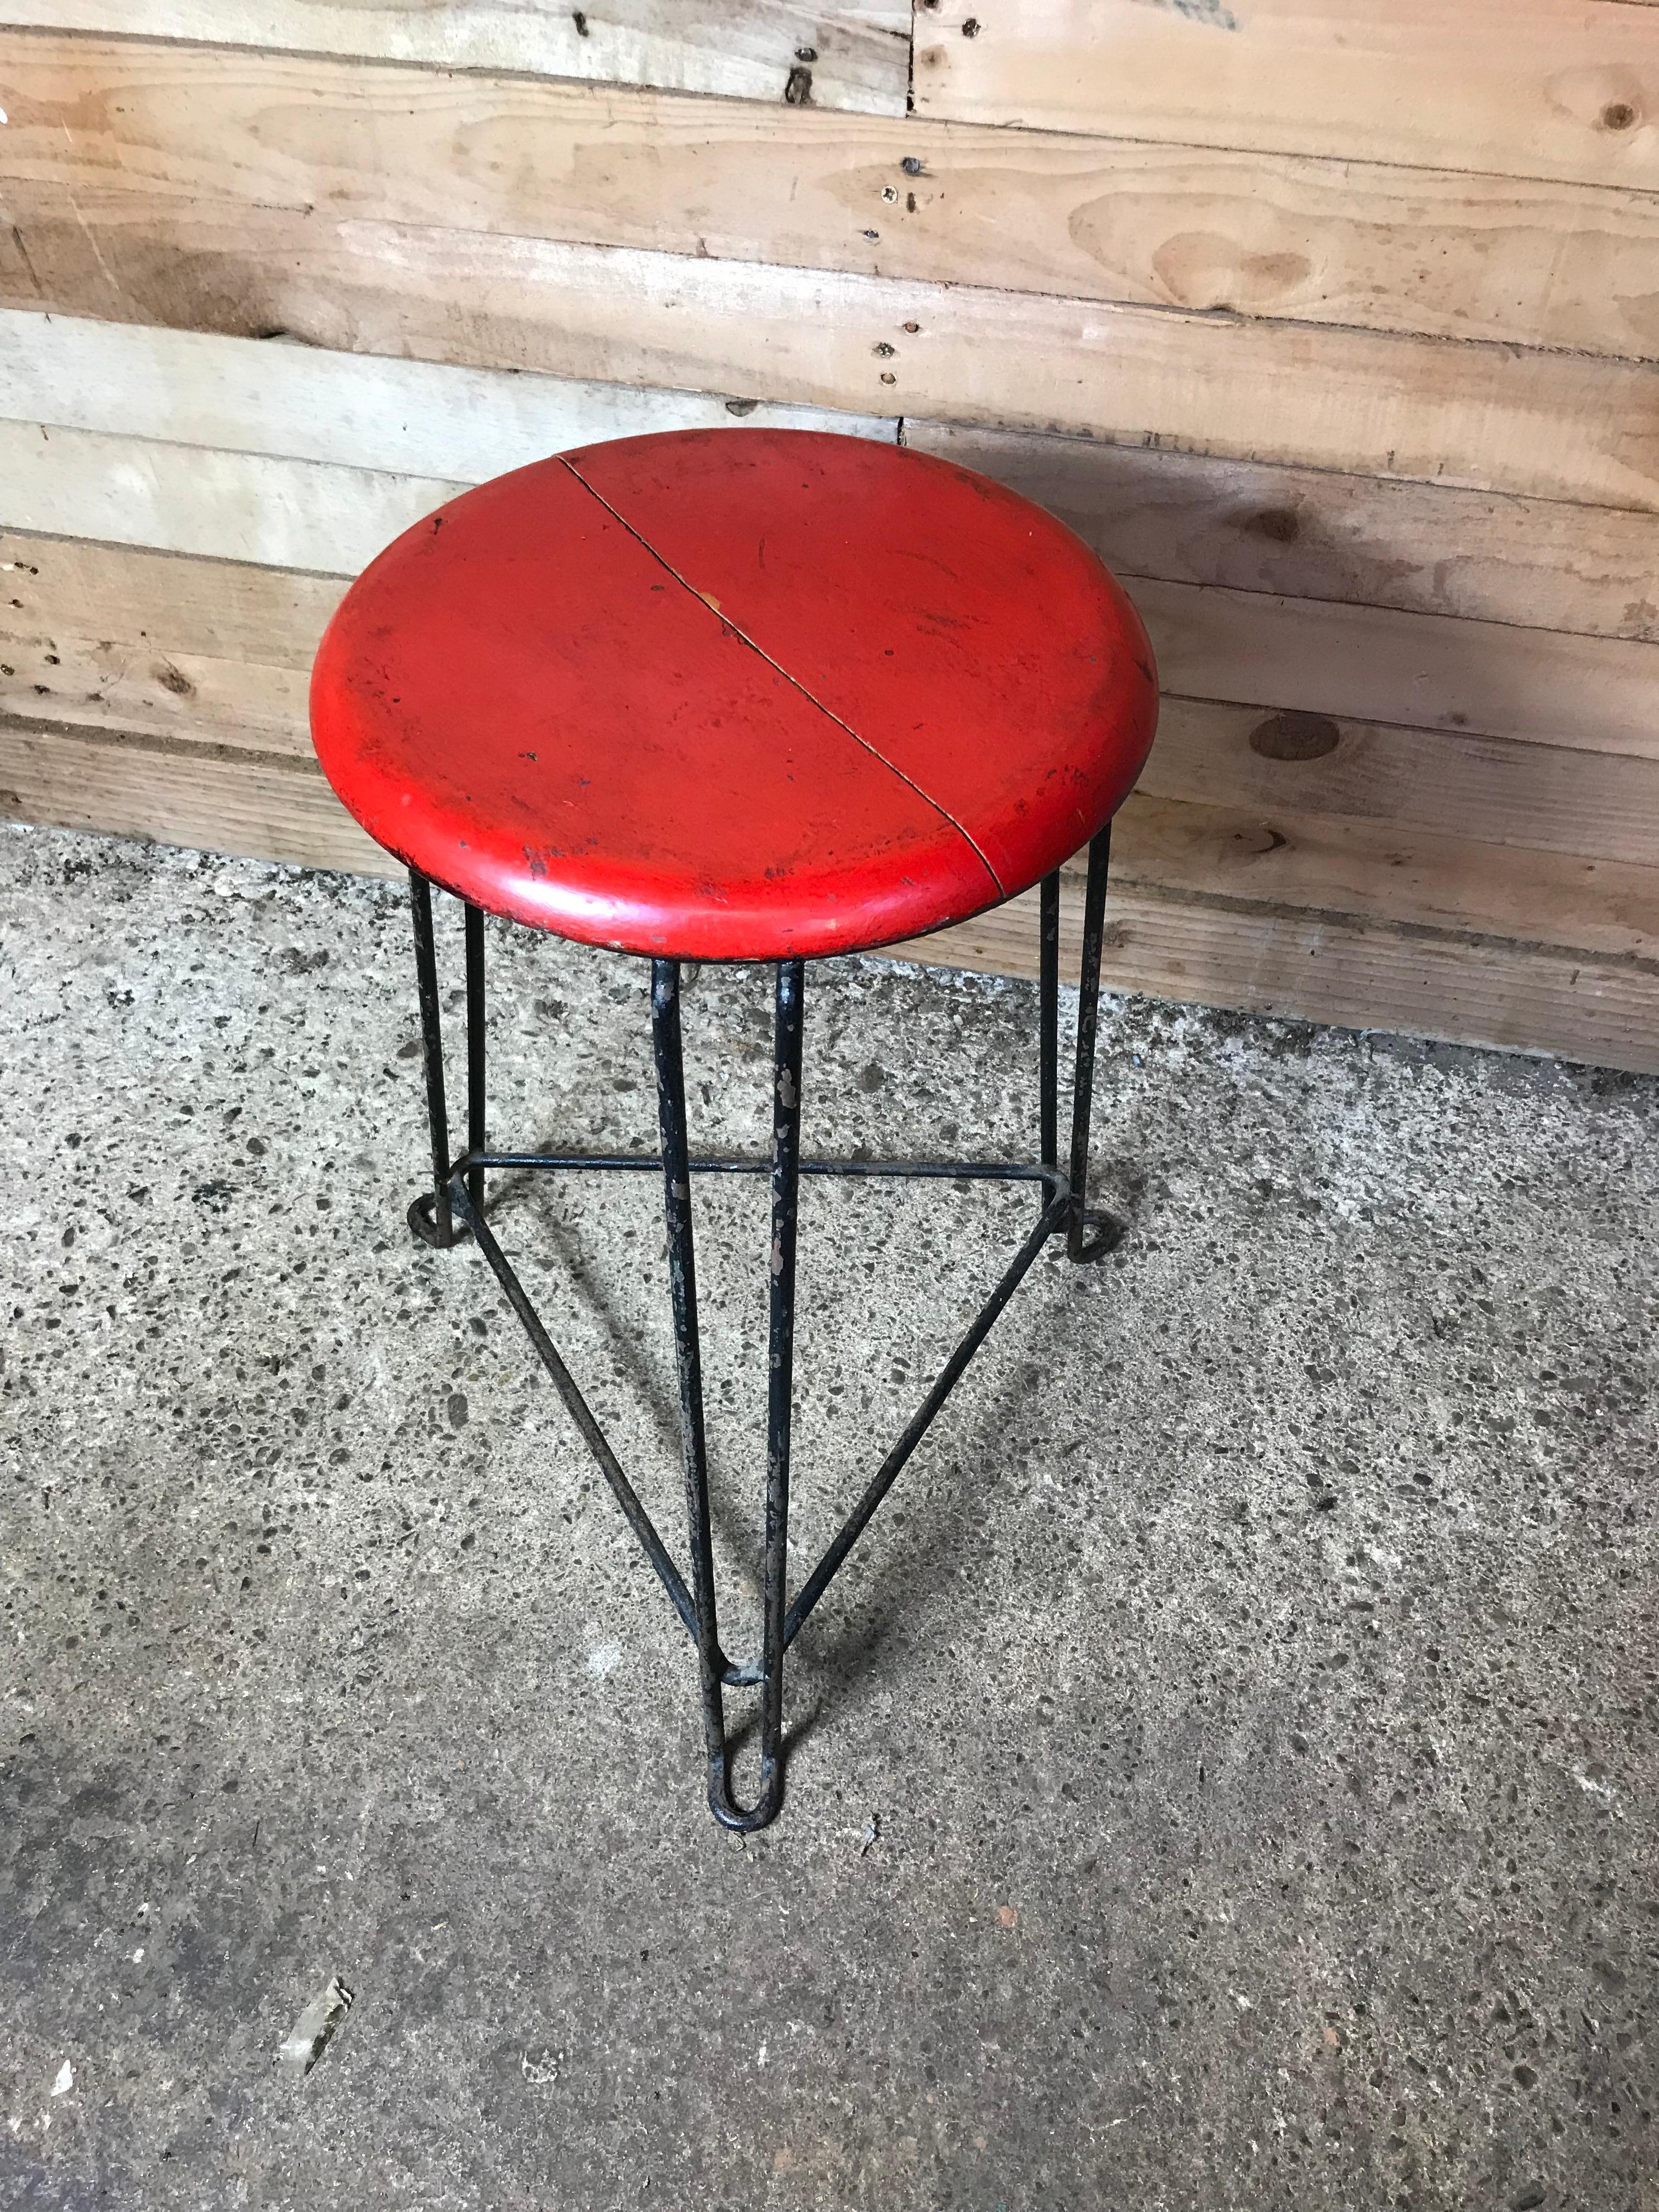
(454, 1208)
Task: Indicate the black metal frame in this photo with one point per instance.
(455, 1207)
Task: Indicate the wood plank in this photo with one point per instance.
(1323, 864)
(452, 425)
(1489, 791)
(1424, 672)
(1514, 88)
(1261, 848)
(1425, 549)
(1200, 228)
(101, 684)
(1468, 990)
(1553, 425)
(859, 53)
(1220, 950)
(1547, 798)
(256, 806)
(232, 507)
(227, 610)
(1428, 671)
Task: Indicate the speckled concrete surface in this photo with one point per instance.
(1252, 1683)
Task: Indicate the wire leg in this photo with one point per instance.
(786, 1188)
(475, 1052)
(1048, 1021)
(683, 1290)
(1089, 1235)
(429, 1217)
(693, 1445)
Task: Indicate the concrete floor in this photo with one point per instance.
(1251, 1685)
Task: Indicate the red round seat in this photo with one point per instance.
(740, 695)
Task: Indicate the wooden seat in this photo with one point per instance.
(735, 695)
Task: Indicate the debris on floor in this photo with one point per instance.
(311, 2035)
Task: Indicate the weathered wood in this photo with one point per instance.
(1425, 549)
(1599, 805)
(1516, 88)
(1425, 672)
(453, 425)
(1323, 864)
(1431, 983)
(1223, 950)
(103, 683)
(199, 499)
(1202, 228)
(157, 608)
(153, 475)
(1429, 671)
(1555, 425)
(261, 807)
(750, 49)
(170, 603)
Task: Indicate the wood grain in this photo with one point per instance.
(225, 610)
(750, 49)
(103, 683)
(1221, 950)
(1429, 671)
(1198, 227)
(1519, 997)
(1330, 865)
(154, 608)
(258, 806)
(1511, 87)
(297, 403)
(1425, 549)
(1492, 790)
(199, 499)
(1553, 425)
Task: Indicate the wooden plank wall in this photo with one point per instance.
(1337, 334)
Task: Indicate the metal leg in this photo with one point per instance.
(454, 1208)
(786, 1187)
(1089, 1235)
(1048, 1019)
(429, 1217)
(475, 1052)
(712, 1666)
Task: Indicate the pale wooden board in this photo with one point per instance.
(1556, 425)
(1200, 228)
(196, 499)
(750, 49)
(1425, 671)
(417, 418)
(1427, 983)
(1220, 950)
(1514, 88)
(1429, 671)
(145, 611)
(1598, 805)
(1381, 872)
(104, 683)
(1425, 549)
(256, 805)
(222, 610)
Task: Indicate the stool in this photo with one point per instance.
(740, 695)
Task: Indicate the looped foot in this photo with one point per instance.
(1095, 1236)
(422, 1218)
(726, 1808)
